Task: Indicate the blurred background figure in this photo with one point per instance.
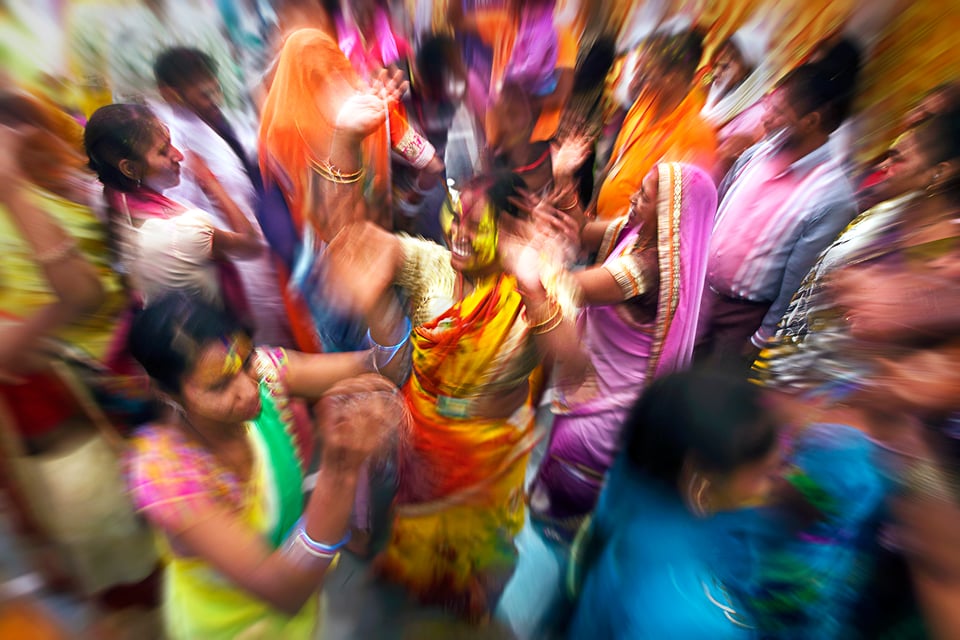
(697, 448)
(65, 383)
(191, 109)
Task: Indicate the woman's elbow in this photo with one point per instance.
(249, 249)
(87, 293)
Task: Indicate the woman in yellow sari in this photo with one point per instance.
(481, 322)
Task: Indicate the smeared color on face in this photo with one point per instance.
(470, 226)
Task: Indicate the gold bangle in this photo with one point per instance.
(332, 174)
(57, 253)
(570, 206)
(555, 322)
(551, 315)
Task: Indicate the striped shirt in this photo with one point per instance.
(772, 224)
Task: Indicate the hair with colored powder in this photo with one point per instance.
(168, 336)
(714, 417)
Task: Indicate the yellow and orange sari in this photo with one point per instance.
(460, 501)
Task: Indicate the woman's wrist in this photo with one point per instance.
(338, 470)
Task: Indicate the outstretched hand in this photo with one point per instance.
(360, 417)
(556, 232)
(519, 252)
(365, 110)
(571, 153)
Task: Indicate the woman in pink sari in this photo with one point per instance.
(639, 321)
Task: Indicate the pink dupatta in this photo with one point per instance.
(627, 356)
(351, 44)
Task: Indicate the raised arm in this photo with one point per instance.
(73, 280)
(242, 239)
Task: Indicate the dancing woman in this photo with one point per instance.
(642, 302)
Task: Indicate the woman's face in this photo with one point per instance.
(222, 387)
(904, 168)
(161, 162)
(471, 232)
(643, 204)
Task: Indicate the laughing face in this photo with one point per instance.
(470, 228)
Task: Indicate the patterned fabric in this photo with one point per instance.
(461, 477)
(174, 481)
(811, 343)
(771, 225)
(807, 581)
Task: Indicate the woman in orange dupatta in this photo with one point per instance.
(480, 325)
(298, 127)
(663, 123)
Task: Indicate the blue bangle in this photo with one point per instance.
(391, 351)
(319, 547)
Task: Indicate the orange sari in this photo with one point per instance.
(681, 136)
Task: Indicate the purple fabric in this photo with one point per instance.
(625, 355)
(534, 56)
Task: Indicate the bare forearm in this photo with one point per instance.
(390, 331)
(243, 238)
(310, 375)
(72, 278)
(287, 582)
(338, 184)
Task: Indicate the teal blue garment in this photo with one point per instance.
(811, 573)
(651, 567)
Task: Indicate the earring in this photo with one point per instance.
(931, 188)
(698, 487)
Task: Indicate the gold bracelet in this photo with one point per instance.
(57, 253)
(540, 329)
(332, 174)
(571, 206)
(551, 315)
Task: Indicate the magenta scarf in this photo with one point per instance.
(144, 203)
(351, 44)
(533, 60)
